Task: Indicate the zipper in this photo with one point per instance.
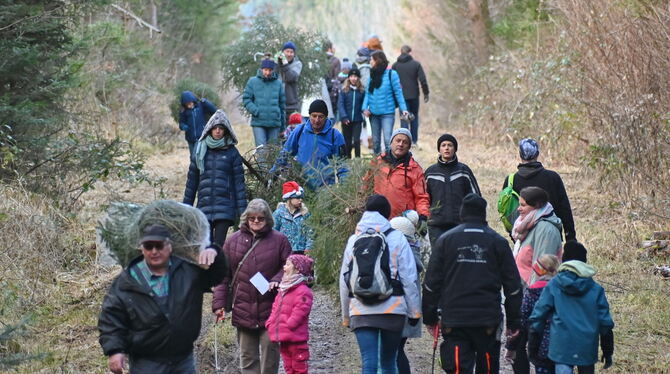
(353, 106)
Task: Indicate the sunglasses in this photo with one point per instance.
(149, 246)
(256, 219)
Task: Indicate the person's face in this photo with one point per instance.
(524, 208)
(256, 221)
(400, 145)
(218, 132)
(295, 202)
(266, 72)
(353, 80)
(289, 53)
(318, 121)
(190, 105)
(156, 253)
(289, 268)
(447, 150)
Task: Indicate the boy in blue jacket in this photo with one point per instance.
(290, 217)
(580, 316)
(193, 117)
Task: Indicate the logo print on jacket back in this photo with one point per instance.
(472, 253)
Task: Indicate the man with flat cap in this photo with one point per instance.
(152, 312)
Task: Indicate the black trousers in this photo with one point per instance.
(352, 138)
(468, 349)
(219, 231)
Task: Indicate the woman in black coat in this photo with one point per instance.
(216, 176)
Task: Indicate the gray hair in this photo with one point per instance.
(259, 206)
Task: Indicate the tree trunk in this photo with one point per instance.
(478, 12)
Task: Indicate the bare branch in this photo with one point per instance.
(139, 20)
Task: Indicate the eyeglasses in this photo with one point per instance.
(256, 219)
(149, 246)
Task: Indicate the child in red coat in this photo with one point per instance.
(289, 321)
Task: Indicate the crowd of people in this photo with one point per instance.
(555, 314)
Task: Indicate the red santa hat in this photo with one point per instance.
(295, 119)
(291, 190)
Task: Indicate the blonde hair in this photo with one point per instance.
(258, 206)
(347, 85)
(550, 263)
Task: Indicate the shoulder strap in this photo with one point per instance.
(239, 265)
(510, 180)
(297, 140)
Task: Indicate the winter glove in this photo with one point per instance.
(413, 321)
(607, 345)
(422, 226)
(607, 361)
(425, 98)
(534, 340)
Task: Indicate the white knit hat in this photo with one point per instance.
(403, 225)
(411, 215)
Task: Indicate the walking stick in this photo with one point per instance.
(216, 350)
(436, 329)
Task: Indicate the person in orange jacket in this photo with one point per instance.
(399, 178)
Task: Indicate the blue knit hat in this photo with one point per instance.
(528, 149)
(288, 45)
(268, 64)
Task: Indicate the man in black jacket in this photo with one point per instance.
(467, 268)
(532, 173)
(152, 311)
(448, 182)
(410, 72)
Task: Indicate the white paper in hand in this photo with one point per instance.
(261, 284)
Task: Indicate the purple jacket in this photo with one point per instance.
(250, 308)
(289, 321)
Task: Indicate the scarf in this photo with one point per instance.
(376, 77)
(209, 142)
(291, 280)
(526, 222)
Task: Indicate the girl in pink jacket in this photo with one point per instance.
(289, 321)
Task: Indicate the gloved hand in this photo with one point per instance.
(534, 340)
(425, 98)
(607, 361)
(412, 321)
(422, 226)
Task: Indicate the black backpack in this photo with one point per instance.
(369, 275)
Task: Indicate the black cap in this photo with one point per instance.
(473, 206)
(355, 72)
(380, 204)
(448, 137)
(318, 106)
(155, 233)
(574, 250)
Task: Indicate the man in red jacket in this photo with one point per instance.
(399, 178)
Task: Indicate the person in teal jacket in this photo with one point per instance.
(264, 98)
(383, 95)
(579, 316)
(290, 217)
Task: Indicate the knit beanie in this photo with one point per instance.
(574, 250)
(355, 72)
(473, 206)
(288, 45)
(346, 65)
(295, 119)
(528, 149)
(363, 52)
(292, 190)
(447, 137)
(318, 106)
(379, 204)
(403, 225)
(268, 64)
(403, 131)
(411, 215)
(302, 264)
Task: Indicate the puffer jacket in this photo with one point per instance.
(294, 227)
(289, 320)
(264, 98)
(251, 309)
(290, 73)
(132, 322)
(382, 101)
(350, 105)
(448, 183)
(220, 189)
(192, 121)
(404, 186)
(402, 265)
(579, 314)
(544, 238)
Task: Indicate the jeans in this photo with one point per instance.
(567, 369)
(412, 107)
(258, 355)
(145, 366)
(379, 123)
(369, 340)
(352, 138)
(264, 135)
(219, 231)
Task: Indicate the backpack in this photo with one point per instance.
(369, 275)
(508, 202)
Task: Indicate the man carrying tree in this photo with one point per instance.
(290, 68)
(152, 312)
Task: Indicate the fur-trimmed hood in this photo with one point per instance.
(219, 118)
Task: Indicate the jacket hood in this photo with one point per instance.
(273, 76)
(372, 220)
(219, 118)
(574, 277)
(529, 169)
(188, 97)
(326, 127)
(405, 58)
(284, 208)
(553, 219)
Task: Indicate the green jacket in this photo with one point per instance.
(264, 98)
(544, 238)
